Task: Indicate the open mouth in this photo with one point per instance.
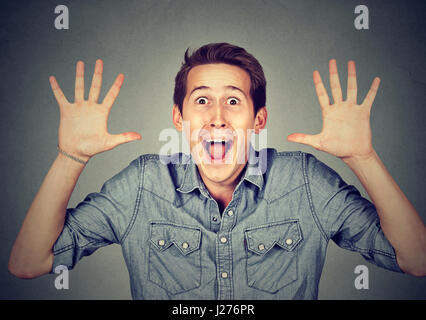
(217, 149)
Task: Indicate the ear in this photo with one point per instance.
(260, 120)
(177, 118)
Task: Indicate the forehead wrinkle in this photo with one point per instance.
(228, 87)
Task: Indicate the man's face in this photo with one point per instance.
(218, 118)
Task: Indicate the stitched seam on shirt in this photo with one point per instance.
(184, 176)
(164, 199)
(71, 246)
(373, 251)
(308, 192)
(285, 194)
(167, 200)
(290, 153)
(66, 248)
(137, 201)
(83, 227)
(374, 244)
(231, 261)
(283, 154)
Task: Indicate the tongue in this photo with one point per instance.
(217, 151)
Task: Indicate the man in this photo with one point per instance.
(216, 225)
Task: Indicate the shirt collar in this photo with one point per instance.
(256, 167)
(254, 170)
(191, 179)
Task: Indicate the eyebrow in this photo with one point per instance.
(227, 87)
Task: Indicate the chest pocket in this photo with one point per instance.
(174, 257)
(272, 255)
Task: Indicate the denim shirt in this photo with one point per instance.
(270, 242)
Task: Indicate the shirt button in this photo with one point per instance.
(214, 219)
(224, 275)
(161, 242)
(223, 240)
(230, 213)
(261, 247)
(185, 245)
(289, 241)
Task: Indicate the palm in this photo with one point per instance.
(346, 130)
(83, 124)
(346, 125)
(85, 128)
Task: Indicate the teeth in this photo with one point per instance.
(216, 140)
(208, 142)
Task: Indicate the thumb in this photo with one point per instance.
(117, 139)
(308, 139)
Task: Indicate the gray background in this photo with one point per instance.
(146, 40)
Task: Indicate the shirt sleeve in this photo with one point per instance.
(102, 218)
(347, 218)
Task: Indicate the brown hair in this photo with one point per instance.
(222, 53)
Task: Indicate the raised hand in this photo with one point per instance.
(346, 131)
(83, 124)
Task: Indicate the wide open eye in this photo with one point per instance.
(232, 101)
(202, 100)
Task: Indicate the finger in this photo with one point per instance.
(113, 92)
(371, 95)
(59, 95)
(352, 84)
(323, 99)
(95, 88)
(117, 139)
(79, 82)
(336, 90)
(310, 140)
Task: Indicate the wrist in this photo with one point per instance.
(81, 160)
(68, 167)
(360, 159)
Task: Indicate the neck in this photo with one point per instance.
(222, 194)
(222, 191)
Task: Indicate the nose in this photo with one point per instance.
(217, 118)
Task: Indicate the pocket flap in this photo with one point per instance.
(185, 238)
(261, 239)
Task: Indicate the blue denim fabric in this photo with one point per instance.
(269, 243)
